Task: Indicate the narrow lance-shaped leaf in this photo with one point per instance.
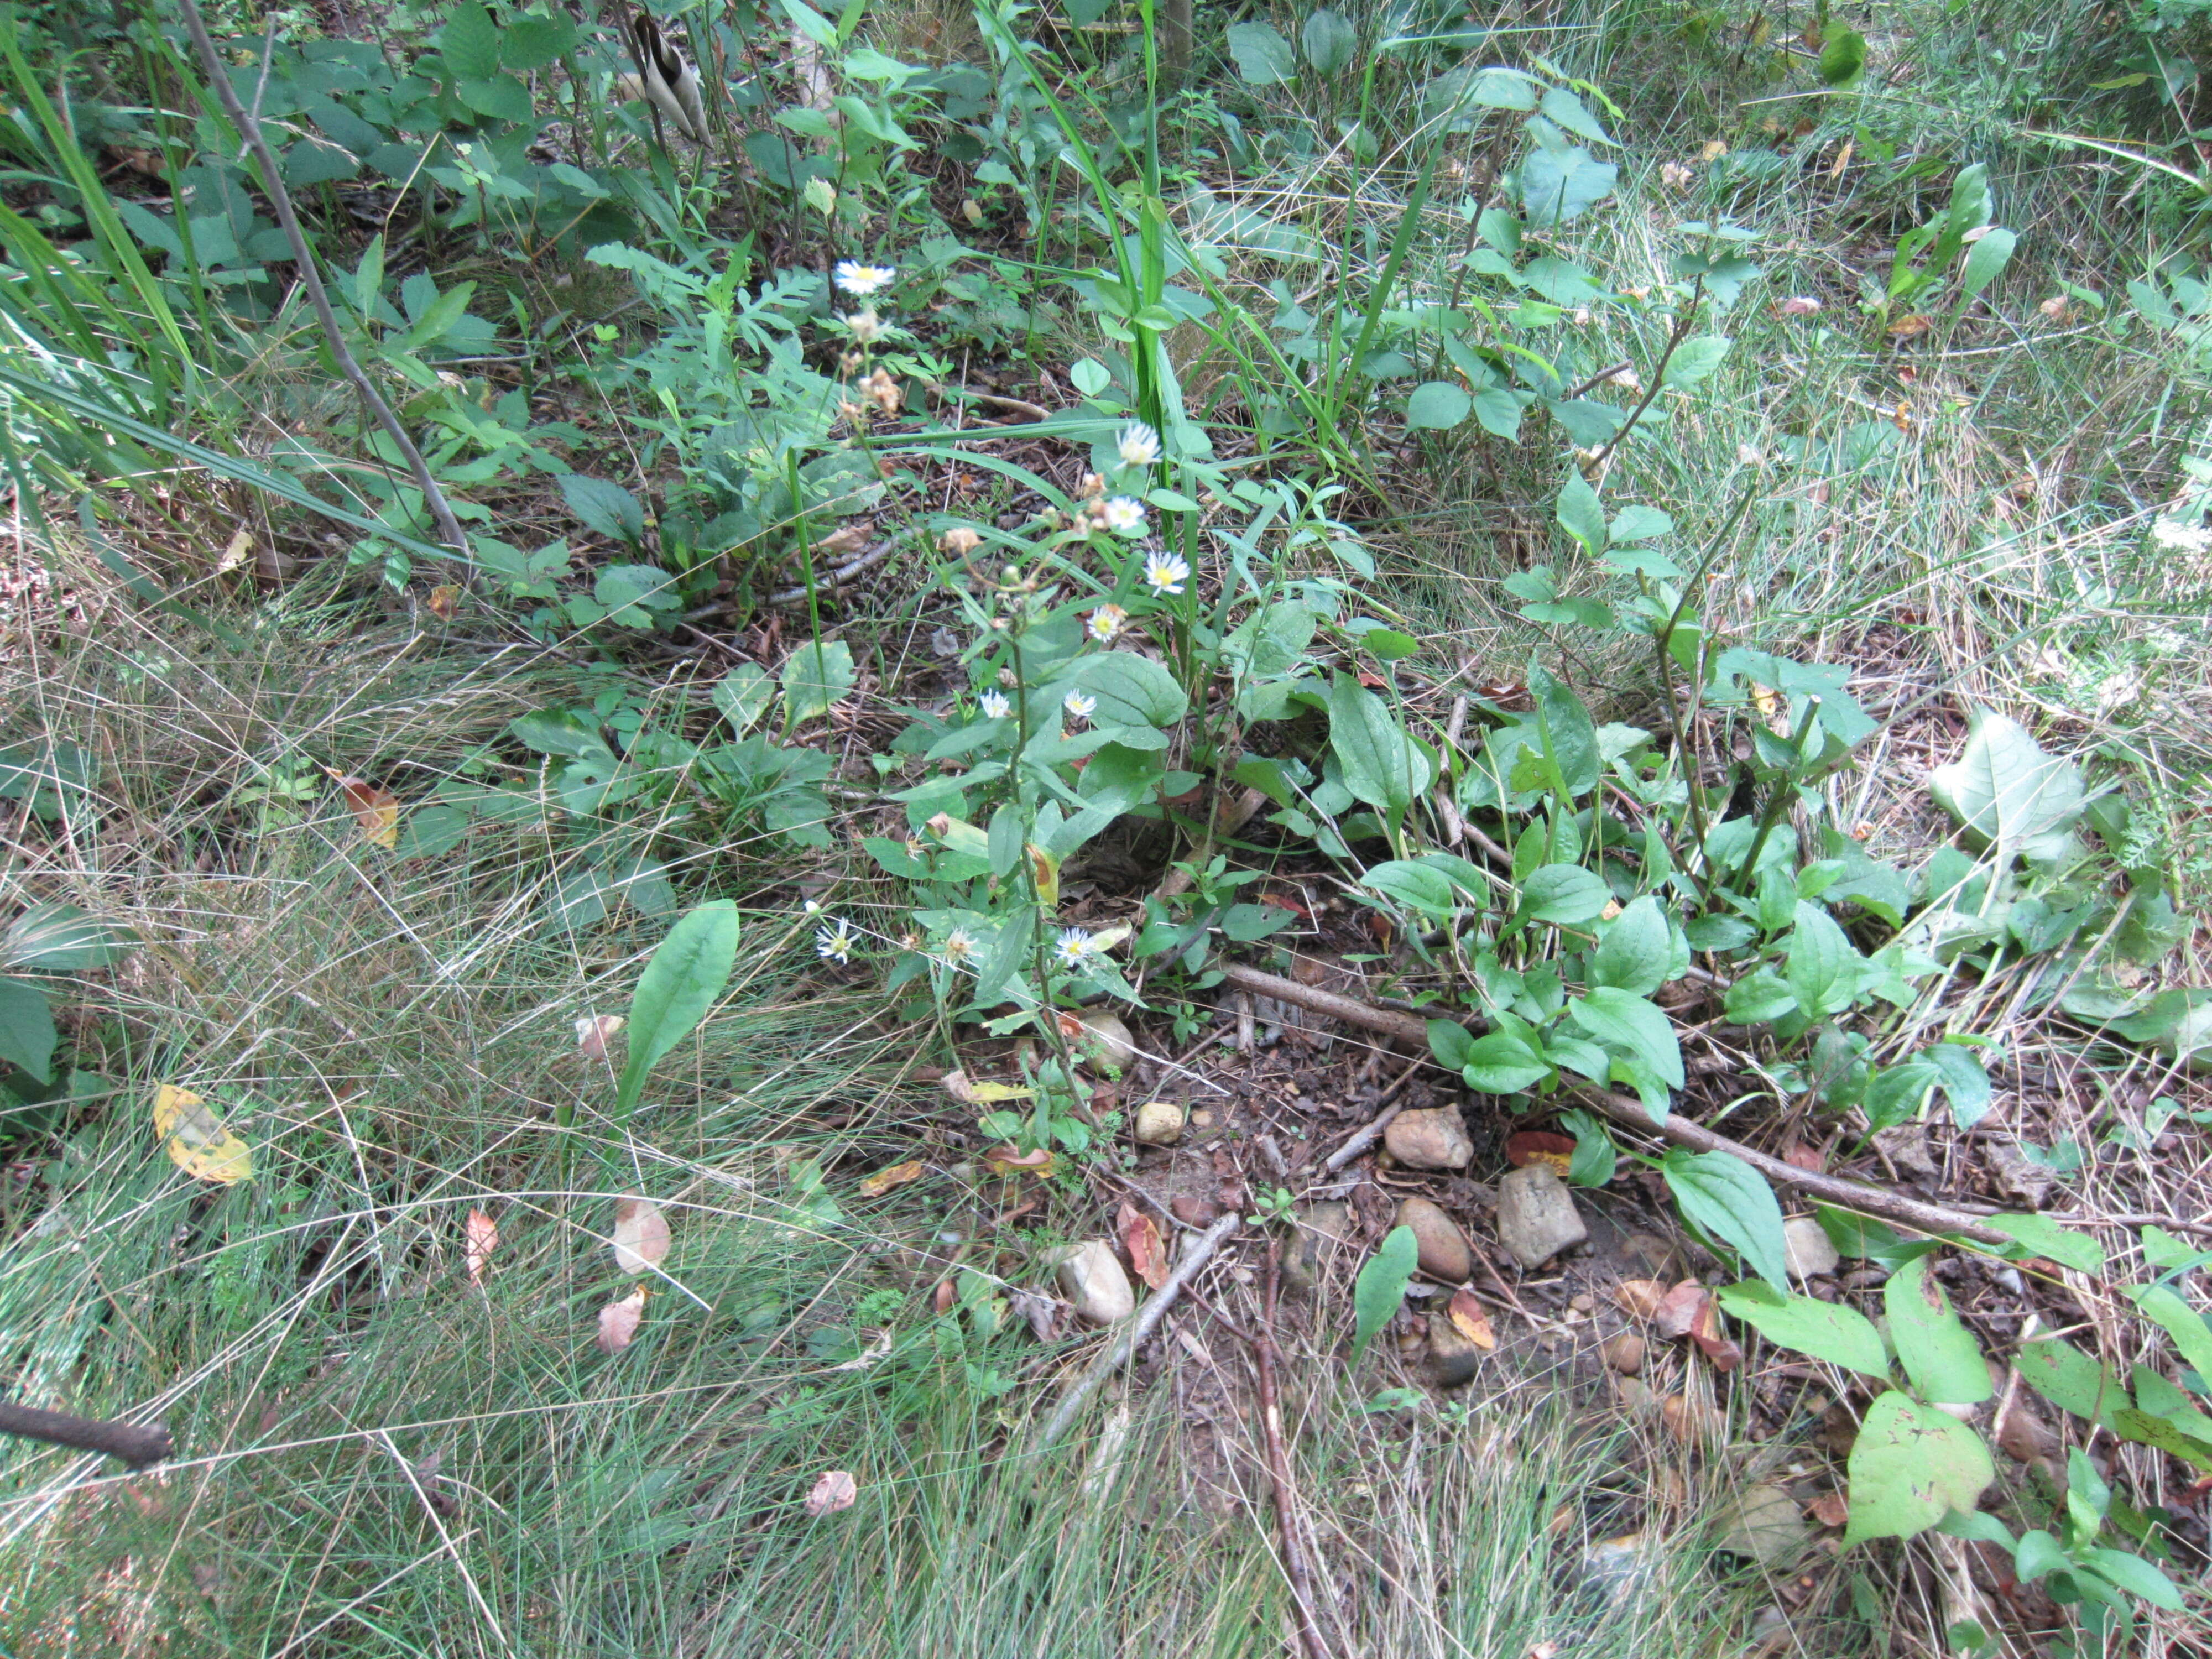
(680, 983)
(1381, 1287)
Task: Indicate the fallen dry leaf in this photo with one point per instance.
(1679, 1309)
(593, 1032)
(879, 1348)
(942, 1300)
(1910, 328)
(641, 1237)
(1004, 1160)
(834, 1490)
(1687, 1421)
(1639, 1297)
(1473, 1321)
(199, 1143)
(898, 1175)
(1829, 1509)
(968, 1092)
(618, 1321)
(1141, 1234)
(479, 1238)
(1541, 1146)
(376, 810)
(445, 599)
(1799, 1156)
(1797, 305)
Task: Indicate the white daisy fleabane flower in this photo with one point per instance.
(1106, 622)
(1167, 572)
(860, 280)
(1080, 706)
(1138, 445)
(865, 326)
(1124, 515)
(1073, 949)
(835, 943)
(994, 705)
(959, 946)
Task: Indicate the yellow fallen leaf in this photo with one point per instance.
(1474, 1324)
(199, 1143)
(968, 1092)
(376, 810)
(898, 1175)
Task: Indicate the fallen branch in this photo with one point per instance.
(1875, 1201)
(136, 1444)
(1196, 1256)
(843, 575)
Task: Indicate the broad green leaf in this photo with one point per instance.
(1965, 1082)
(1382, 766)
(1986, 260)
(1938, 1352)
(2044, 1237)
(2003, 789)
(1636, 949)
(686, 972)
(1563, 894)
(1732, 1201)
(1381, 1286)
(1843, 56)
(27, 1029)
(2169, 1437)
(815, 677)
(1826, 1330)
(1449, 1042)
(1502, 1064)
(1560, 185)
(1438, 404)
(1263, 57)
(1630, 1022)
(58, 937)
(1639, 524)
(2071, 1380)
(1823, 968)
(470, 42)
(1910, 1465)
(2180, 1321)
(2038, 1553)
(744, 694)
(2134, 1575)
(1131, 690)
(1412, 885)
(1329, 39)
(1759, 996)
(2161, 1398)
(1694, 359)
(1581, 514)
(604, 508)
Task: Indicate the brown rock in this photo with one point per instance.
(1454, 1355)
(1624, 1353)
(1320, 1229)
(1429, 1140)
(1445, 1254)
(1536, 1215)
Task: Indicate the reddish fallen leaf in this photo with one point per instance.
(1473, 1321)
(1679, 1309)
(641, 1237)
(1639, 1297)
(479, 1238)
(1373, 682)
(1539, 1146)
(834, 1490)
(1141, 1236)
(376, 810)
(1005, 1161)
(445, 599)
(1284, 901)
(1829, 1509)
(942, 1301)
(898, 1175)
(1194, 1209)
(618, 1321)
(594, 1030)
(1797, 305)
(1713, 1341)
(1799, 1156)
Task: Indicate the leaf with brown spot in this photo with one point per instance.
(1141, 1235)
(618, 1321)
(1639, 1297)
(641, 1237)
(376, 810)
(445, 601)
(199, 1142)
(1473, 1323)
(834, 1490)
(479, 1239)
(898, 1175)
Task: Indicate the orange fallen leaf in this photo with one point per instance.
(1799, 1156)
(1639, 1297)
(834, 1490)
(1829, 1509)
(1910, 328)
(898, 1175)
(641, 1237)
(942, 1300)
(445, 599)
(1473, 1323)
(1539, 1146)
(479, 1238)
(618, 1321)
(592, 1032)
(1141, 1235)
(376, 810)
(1004, 1160)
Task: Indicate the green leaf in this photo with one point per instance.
(1826, 1330)
(1630, 1022)
(1263, 57)
(1639, 524)
(1938, 1352)
(2071, 1380)
(1438, 404)
(1131, 689)
(1968, 1086)
(1563, 894)
(1986, 260)
(1582, 515)
(1694, 359)
(1732, 1201)
(1414, 885)
(744, 694)
(1382, 766)
(686, 972)
(58, 937)
(1381, 1286)
(1823, 967)
(1843, 56)
(1637, 949)
(1502, 1063)
(1330, 41)
(2037, 1554)
(470, 41)
(814, 677)
(2180, 1321)
(2134, 1575)
(604, 508)
(2044, 1237)
(1499, 413)
(27, 1029)
(2162, 1399)
(1759, 996)
(1910, 1465)
(1449, 1042)
(1559, 184)
(2004, 790)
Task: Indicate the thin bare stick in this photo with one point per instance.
(1196, 1254)
(1368, 1133)
(310, 279)
(136, 1444)
(844, 574)
(1875, 1201)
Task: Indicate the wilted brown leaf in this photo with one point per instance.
(642, 1237)
(1473, 1321)
(445, 599)
(479, 1238)
(898, 1175)
(1910, 327)
(1829, 1509)
(1141, 1234)
(1639, 1297)
(1004, 1160)
(1797, 305)
(969, 1092)
(1541, 1146)
(1688, 1421)
(594, 1031)
(834, 1490)
(1799, 1156)
(618, 1321)
(1679, 1309)
(376, 810)
(941, 1301)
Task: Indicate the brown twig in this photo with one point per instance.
(1372, 1132)
(310, 279)
(1875, 1201)
(136, 1444)
(842, 574)
(1279, 1468)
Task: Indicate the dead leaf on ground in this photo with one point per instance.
(879, 1348)
(834, 1490)
(1005, 1160)
(376, 810)
(1541, 1146)
(199, 1142)
(1688, 1421)
(1797, 305)
(641, 1237)
(941, 1299)
(593, 1032)
(969, 1092)
(1639, 1297)
(1829, 1509)
(1689, 1310)
(898, 1175)
(1677, 1310)
(445, 601)
(1141, 1234)
(1799, 1156)
(1472, 1321)
(479, 1238)
(1910, 328)
(618, 1321)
